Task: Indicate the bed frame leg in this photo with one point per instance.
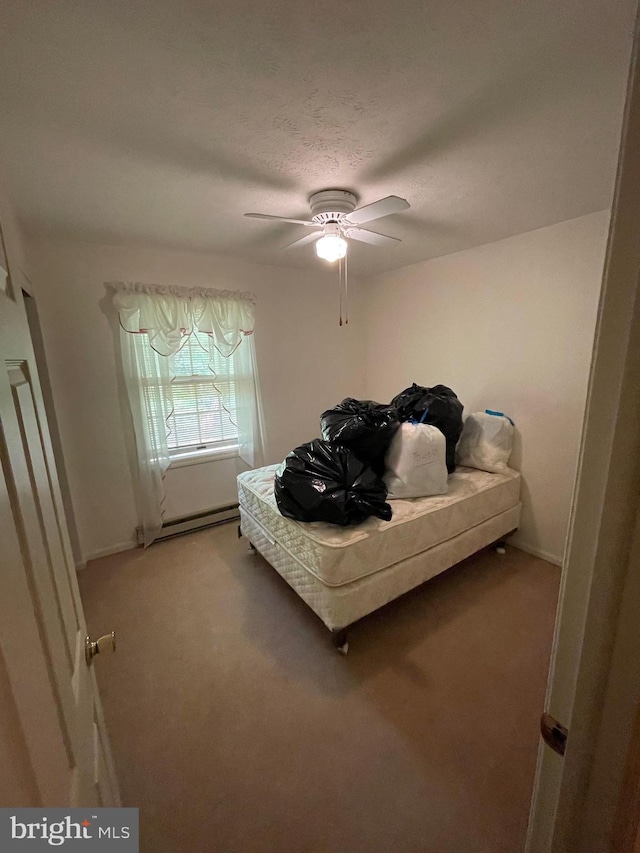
(500, 547)
(339, 640)
(252, 548)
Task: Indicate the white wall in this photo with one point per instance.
(196, 488)
(306, 363)
(508, 326)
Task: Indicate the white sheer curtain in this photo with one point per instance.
(154, 321)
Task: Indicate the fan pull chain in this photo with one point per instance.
(340, 286)
(346, 289)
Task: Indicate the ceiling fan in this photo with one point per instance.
(336, 220)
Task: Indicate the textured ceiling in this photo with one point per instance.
(162, 122)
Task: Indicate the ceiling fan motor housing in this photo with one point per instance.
(331, 205)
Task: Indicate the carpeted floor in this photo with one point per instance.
(237, 729)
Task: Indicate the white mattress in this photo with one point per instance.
(337, 556)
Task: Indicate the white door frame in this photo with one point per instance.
(594, 680)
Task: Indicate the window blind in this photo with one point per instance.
(204, 401)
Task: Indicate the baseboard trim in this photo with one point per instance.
(536, 552)
(194, 522)
(106, 552)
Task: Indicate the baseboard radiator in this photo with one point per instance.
(197, 521)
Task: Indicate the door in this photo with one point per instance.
(46, 686)
(593, 689)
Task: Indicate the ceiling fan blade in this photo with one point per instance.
(372, 237)
(378, 209)
(303, 241)
(283, 219)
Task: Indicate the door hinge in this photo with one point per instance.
(553, 733)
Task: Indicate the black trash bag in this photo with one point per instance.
(363, 426)
(320, 481)
(438, 406)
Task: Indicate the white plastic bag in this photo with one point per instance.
(416, 463)
(486, 442)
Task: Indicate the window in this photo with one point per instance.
(204, 400)
(184, 407)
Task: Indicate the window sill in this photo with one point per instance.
(198, 457)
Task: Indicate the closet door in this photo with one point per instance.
(48, 687)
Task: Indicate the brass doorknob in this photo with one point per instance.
(107, 643)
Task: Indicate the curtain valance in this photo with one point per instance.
(167, 313)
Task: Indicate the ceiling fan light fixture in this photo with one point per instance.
(331, 246)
